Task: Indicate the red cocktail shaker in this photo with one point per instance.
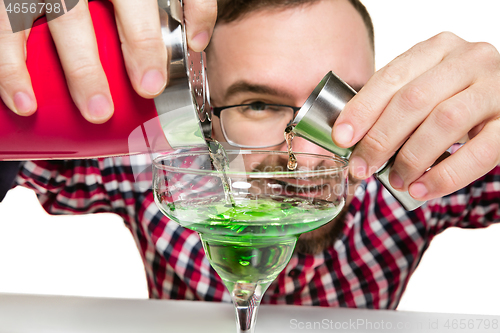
(57, 130)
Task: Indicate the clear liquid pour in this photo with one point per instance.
(289, 135)
(221, 163)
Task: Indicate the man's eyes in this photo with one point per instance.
(259, 106)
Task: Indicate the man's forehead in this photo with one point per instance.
(301, 43)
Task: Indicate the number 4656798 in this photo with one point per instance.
(471, 324)
(33, 8)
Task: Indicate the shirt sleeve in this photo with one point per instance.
(81, 186)
(475, 206)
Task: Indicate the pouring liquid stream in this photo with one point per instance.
(289, 135)
(221, 163)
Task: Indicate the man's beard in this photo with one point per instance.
(318, 243)
(309, 243)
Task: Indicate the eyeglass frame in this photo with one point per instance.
(217, 111)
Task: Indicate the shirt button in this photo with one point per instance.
(294, 273)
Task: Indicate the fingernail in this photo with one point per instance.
(418, 190)
(343, 134)
(24, 103)
(99, 107)
(396, 180)
(153, 82)
(358, 167)
(200, 41)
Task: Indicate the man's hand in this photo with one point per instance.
(143, 50)
(442, 91)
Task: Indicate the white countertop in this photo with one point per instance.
(21, 313)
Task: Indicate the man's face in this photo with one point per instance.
(279, 56)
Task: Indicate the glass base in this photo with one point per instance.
(247, 266)
(246, 299)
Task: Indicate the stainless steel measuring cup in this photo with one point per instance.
(315, 120)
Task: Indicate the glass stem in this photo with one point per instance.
(246, 299)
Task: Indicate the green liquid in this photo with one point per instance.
(252, 241)
(248, 261)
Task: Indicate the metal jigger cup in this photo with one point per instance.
(184, 104)
(315, 120)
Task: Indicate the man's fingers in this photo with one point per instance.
(76, 45)
(143, 49)
(471, 161)
(412, 108)
(142, 44)
(15, 84)
(445, 126)
(200, 16)
(364, 110)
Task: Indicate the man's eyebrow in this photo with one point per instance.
(247, 87)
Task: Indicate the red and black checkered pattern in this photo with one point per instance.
(367, 267)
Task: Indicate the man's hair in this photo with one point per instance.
(231, 10)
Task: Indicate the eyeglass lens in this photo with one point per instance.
(256, 125)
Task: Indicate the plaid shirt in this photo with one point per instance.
(367, 267)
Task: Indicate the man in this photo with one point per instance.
(275, 52)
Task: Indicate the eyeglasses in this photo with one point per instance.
(255, 125)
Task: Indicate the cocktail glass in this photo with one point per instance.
(250, 217)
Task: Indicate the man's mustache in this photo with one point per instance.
(276, 163)
(272, 163)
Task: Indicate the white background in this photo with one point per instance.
(96, 256)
